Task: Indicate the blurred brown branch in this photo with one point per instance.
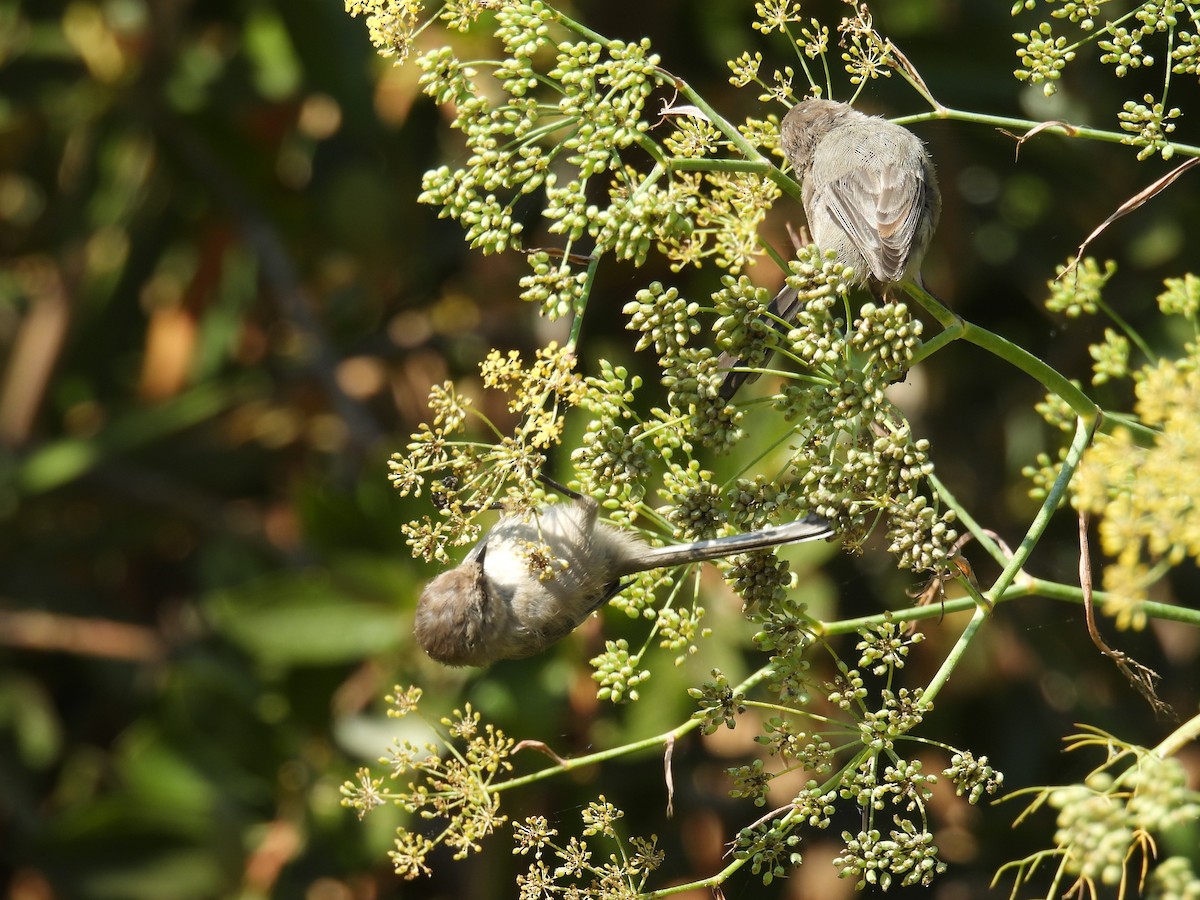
(36, 349)
(53, 633)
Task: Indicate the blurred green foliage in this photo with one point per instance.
(221, 309)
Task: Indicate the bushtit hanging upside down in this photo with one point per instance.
(493, 607)
(870, 195)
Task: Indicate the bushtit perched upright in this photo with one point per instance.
(870, 195)
(870, 192)
(492, 606)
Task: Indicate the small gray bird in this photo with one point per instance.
(869, 189)
(870, 194)
(493, 606)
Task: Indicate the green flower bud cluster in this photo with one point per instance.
(756, 502)
(555, 285)
(750, 781)
(584, 870)
(741, 328)
(665, 319)
(888, 336)
(1111, 357)
(901, 712)
(447, 784)
(785, 631)
(1160, 797)
(667, 323)
(468, 477)
(695, 505)
(885, 647)
(973, 777)
(783, 738)
(693, 381)
(1125, 51)
(615, 670)
(771, 848)
(678, 630)
(1094, 832)
(760, 579)
(1123, 41)
(903, 785)
(1148, 124)
(718, 703)
(775, 15)
(615, 454)
(1173, 879)
(1043, 56)
(1103, 823)
(908, 851)
(1186, 53)
(847, 691)
(814, 807)
(1181, 297)
(1082, 14)
(866, 54)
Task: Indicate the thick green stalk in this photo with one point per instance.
(1022, 127)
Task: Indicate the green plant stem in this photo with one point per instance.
(909, 614)
(935, 343)
(1027, 587)
(960, 328)
(1026, 125)
(710, 882)
(776, 256)
(753, 162)
(581, 303)
(758, 165)
(1083, 436)
(1053, 590)
(582, 30)
(1129, 330)
(798, 49)
(658, 740)
(1175, 741)
(950, 663)
(967, 519)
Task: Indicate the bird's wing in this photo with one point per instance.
(879, 207)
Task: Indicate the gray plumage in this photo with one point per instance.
(870, 195)
(492, 606)
(870, 192)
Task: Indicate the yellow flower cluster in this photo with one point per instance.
(1147, 498)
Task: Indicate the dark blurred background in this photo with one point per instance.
(221, 309)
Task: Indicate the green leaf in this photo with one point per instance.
(316, 616)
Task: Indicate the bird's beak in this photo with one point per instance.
(477, 553)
